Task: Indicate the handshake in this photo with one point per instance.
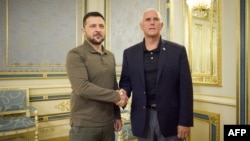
(123, 98)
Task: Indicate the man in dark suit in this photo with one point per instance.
(156, 73)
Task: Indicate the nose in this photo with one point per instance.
(97, 28)
(152, 22)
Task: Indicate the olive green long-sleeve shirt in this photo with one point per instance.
(93, 80)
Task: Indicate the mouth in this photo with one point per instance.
(151, 28)
(98, 35)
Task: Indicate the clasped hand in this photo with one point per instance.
(123, 98)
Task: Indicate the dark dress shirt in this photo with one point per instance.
(151, 59)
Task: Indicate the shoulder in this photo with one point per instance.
(76, 49)
(77, 52)
(171, 44)
(134, 47)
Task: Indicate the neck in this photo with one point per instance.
(151, 42)
(98, 48)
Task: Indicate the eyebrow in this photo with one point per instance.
(154, 18)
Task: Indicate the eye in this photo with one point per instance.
(101, 26)
(156, 19)
(92, 26)
(147, 19)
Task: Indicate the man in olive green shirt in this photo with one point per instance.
(95, 99)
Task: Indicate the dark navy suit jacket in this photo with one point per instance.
(174, 96)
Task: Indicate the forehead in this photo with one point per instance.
(149, 14)
(94, 20)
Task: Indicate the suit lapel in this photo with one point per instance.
(162, 58)
(140, 62)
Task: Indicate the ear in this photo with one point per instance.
(83, 30)
(141, 26)
(161, 24)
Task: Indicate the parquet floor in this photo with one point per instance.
(58, 139)
(66, 139)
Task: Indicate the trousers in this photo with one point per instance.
(103, 133)
(152, 130)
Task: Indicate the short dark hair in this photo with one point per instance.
(91, 14)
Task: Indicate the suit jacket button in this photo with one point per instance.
(144, 107)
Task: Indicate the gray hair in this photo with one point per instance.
(151, 9)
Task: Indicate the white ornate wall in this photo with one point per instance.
(123, 18)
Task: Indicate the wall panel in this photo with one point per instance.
(53, 104)
(36, 35)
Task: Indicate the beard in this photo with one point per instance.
(96, 41)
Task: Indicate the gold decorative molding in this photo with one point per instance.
(213, 121)
(64, 106)
(203, 42)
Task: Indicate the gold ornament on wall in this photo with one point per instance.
(64, 106)
(203, 40)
